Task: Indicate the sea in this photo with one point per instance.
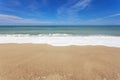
(62, 35)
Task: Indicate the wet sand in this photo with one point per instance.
(44, 62)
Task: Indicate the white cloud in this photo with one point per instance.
(10, 19)
(73, 7)
(81, 4)
(114, 15)
(106, 17)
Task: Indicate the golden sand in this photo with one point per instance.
(44, 62)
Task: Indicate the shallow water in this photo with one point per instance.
(62, 35)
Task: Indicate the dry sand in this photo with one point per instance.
(44, 62)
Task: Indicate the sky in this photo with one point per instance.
(59, 12)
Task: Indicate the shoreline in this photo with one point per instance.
(13, 44)
(111, 41)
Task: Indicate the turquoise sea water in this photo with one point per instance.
(70, 30)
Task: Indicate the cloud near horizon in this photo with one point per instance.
(106, 20)
(11, 19)
(106, 17)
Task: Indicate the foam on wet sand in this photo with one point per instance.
(61, 40)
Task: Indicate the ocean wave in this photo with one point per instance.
(61, 39)
(53, 35)
(35, 35)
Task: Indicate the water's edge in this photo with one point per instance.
(65, 40)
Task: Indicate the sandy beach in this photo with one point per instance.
(44, 62)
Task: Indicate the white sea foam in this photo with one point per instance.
(61, 40)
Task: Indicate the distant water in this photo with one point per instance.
(61, 35)
(62, 30)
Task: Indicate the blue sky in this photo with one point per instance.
(60, 12)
